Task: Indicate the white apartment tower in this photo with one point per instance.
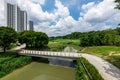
(14, 17)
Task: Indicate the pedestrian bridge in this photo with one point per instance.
(49, 54)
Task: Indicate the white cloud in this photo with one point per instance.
(35, 11)
(60, 22)
(61, 10)
(41, 2)
(2, 13)
(98, 13)
(88, 6)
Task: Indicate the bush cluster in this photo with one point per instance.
(5, 57)
(33, 39)
(100, 38)
(80, 72)
(9, 66)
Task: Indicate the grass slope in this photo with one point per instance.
(101, 50)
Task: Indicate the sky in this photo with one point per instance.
(61, 17)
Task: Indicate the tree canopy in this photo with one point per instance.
(7, 36)
(33, 39)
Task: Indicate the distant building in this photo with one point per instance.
(14, 17)
(31, 25)
(23, 20)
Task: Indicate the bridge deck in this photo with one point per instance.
(48, 53)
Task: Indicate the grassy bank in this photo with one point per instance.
(81, 73)
(11, 61)
(115, 60)
(101, 50)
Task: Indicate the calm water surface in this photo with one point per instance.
(43, 71)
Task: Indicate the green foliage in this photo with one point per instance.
(12, 46)
(7, 36)
(74, 35)
(6, 57)
(115, 60)
(98, 38)
(92, 70)
(56, 47)
(41, 39)
(118, 4)
(12, 62)
(33, 39)
(101, 50)
(80, 72)
(60, 44)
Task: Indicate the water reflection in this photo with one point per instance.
(63, 62)
(57, 61)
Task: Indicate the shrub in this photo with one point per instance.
(13, 64)
(80, 72)
(92, 70)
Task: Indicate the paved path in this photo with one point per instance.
(107, 70)
(20, 47)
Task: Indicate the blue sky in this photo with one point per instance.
(61, 17)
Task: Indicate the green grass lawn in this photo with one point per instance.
(101, 50)
(65, 41)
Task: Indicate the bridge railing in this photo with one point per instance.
(47, 53)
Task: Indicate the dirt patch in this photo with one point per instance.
(114, 53)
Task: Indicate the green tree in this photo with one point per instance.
(117, 40)
(27, 37)
(7, 36)
(33, 39)
(84, 40)
(41, 39)
(118, 4)
(118, 29)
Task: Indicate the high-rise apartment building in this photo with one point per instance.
(23, 20)
(31, 25)
(15, 17)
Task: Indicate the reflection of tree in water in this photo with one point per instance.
(62, 62)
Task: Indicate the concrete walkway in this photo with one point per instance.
(107, 70)
(19, 47)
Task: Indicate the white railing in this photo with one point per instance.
(46, 53)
